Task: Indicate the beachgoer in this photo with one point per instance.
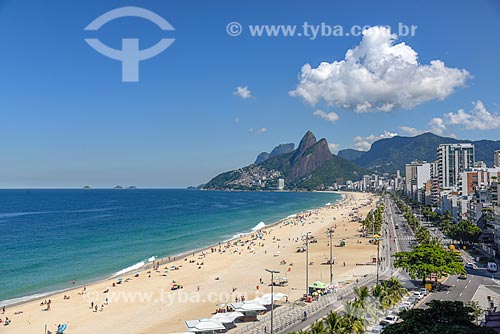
(3, 310)
(95, 307)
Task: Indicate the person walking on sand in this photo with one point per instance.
(3, 310)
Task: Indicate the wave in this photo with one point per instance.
(258, 226)
(239, 235)
(19, 300)
(136, 266)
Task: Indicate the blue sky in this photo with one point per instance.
(67, 119)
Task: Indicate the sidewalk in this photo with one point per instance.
(289, 318)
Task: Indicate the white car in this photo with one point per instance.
(469, 265)
(404, 307)
(391, 318)
(418, 295)
(424, 291)
(377, 329)
(413, 300)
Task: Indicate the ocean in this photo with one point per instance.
(50, 237)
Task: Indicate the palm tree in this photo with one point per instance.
(353, 324)
(335, 324)
(362, 294)
(318, 327)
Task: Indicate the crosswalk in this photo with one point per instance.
(405, 237)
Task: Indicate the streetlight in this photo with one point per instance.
(378, 238)
(307, 263)
(330, 231)
(272, 294)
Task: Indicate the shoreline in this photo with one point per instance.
(149, 303)
(162, 260)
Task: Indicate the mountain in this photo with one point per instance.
(388, 155)
(350, 154)
(261, 157)
(280, 149)
(311, 166)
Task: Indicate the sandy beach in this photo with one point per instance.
(146, 304)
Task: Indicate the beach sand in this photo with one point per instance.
(147, 305)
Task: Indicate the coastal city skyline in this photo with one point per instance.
(206, 104)
(258, 167)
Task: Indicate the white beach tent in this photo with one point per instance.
(247, 306)
(204, 325)
(227, 317)
(266, 299)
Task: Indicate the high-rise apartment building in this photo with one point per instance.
(452, 160)
(496, 158)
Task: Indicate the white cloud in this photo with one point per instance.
(237, 120)
(243, 92)
(365, 143)
(476, 119)
(257, 131)
(334, 148)
(437, 126)
(378, 75)
(411, 131)
(331, 116)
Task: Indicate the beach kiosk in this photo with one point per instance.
(317, 287)
(250, 310)
(228, 318)
(205, 326)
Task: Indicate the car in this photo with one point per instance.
(418, 294)
(391, 319)
(462, 276)
(377, 329)
(424, 291)
(412, 299)
(469, 265)
(492, 267)
(404, 307)
(396, 226)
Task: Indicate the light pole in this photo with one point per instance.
(272, 294)
(330, 231)
(307, 263)
(378, 238)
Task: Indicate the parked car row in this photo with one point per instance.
(392, 316)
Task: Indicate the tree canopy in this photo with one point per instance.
(450, 317)
(464, 231)
(428, 259)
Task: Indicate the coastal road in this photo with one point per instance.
(390, 247)
(460, 289)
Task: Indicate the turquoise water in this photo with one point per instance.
(50, 237)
